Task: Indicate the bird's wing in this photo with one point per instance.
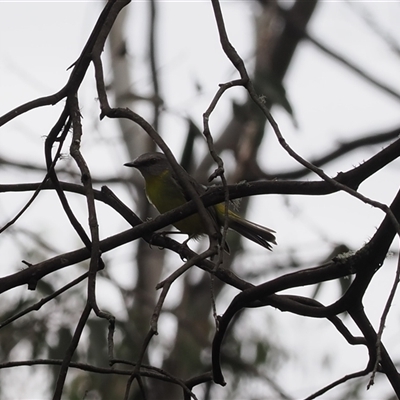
(200, 190)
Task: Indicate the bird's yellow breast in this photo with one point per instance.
(165, 194)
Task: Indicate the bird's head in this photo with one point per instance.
(150, 164)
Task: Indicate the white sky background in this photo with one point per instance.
(40, 40)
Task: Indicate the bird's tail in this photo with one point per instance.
(257, 233)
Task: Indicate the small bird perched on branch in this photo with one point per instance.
(165, 193)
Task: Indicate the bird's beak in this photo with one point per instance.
(130, 164)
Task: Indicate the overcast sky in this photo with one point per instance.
(40, 40)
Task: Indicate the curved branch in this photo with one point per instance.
(145, 370)
(98, 36)
(343, 149)
(364, 263)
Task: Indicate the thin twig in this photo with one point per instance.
(38, 305)
(62, 375)
(382, 323)
(338, 382)
(166, 283)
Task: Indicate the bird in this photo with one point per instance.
(164, 191)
